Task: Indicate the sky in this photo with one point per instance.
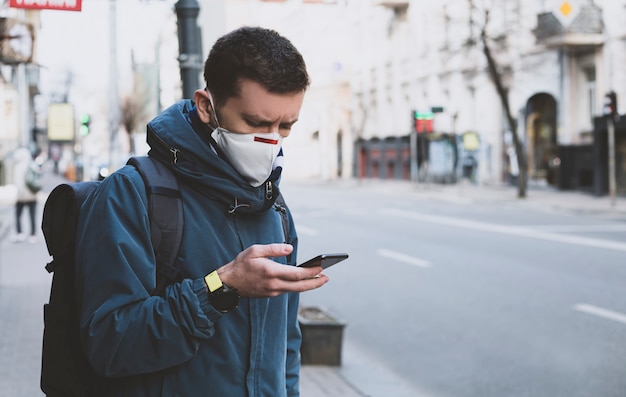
(78, 43)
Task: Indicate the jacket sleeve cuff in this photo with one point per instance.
(199, 288)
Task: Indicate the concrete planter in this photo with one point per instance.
(322, 336)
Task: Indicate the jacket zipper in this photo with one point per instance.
(269, 190)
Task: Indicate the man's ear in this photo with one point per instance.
(203, 105)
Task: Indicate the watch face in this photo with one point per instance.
(225, 299)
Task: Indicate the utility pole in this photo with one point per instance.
(612, 115)
(611, 143)
(189, 44)
(413, 152)
(413, 170)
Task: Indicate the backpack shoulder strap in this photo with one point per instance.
(166, 216)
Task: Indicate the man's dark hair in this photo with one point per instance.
(258, 54)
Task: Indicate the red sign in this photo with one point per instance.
(66, 5)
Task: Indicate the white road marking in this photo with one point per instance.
(403, 258)
(583, 228)
(600, 312)
(511, 230)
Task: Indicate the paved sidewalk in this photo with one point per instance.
(323, 381)
(360, 375)
(545, 197)
(537, 196)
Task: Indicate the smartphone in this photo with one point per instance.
(324, 260)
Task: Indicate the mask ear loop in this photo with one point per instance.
(212, 138)
(213, 107)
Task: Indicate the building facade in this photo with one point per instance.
(557, 60)
(377, 63)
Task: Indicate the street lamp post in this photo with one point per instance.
(189, 43)
(612, 115)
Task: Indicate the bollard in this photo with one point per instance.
(322, 337)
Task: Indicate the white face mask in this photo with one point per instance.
(252, 155)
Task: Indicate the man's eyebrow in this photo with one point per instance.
(254, 118)
(290, 122)
(259, 120)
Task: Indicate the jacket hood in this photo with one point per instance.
(174, 141)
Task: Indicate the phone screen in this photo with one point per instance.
(325, 260)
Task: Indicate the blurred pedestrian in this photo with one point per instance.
(25, 178)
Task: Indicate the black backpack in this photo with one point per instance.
(65, 370)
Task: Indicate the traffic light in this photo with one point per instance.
(610, 104)
(423, 121)
(85, 120)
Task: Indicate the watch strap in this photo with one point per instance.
(221, 296)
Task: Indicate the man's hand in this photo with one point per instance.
(253, 274)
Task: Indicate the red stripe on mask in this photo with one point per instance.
(266, 140)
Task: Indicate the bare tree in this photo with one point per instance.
(131, 116)
(496, 74)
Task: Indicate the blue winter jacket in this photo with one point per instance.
(178, 344)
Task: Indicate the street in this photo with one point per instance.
(465, 298)
(445, 295)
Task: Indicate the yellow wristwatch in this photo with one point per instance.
(222, 297)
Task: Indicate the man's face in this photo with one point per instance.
(257, 110)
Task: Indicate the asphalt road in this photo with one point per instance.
(460, 298)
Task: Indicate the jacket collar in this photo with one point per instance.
(177, 139)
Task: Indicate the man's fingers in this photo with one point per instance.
(256, 274)
(279, 286)
(269, 250)
(280, 249)
(294, 273)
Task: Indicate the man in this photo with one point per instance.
(229, 327)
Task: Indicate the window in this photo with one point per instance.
(590, 93)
